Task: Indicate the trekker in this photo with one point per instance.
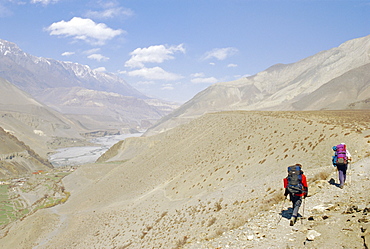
(341, 159)
(295, 185)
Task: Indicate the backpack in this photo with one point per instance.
(295, 179)
(340, 157)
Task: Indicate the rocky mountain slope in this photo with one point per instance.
(214, 182)
(50, 80)
(98, 110)
(16, 158)
(32, 122)
(334, 79)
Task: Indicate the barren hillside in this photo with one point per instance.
(16, 158)
(32, 122)
(335, 79)
(198, 183)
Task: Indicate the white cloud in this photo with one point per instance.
(152, 54)
(197, 75)
(109, 9)
(209, 80)
(155, 73)
(44, 2)
(100, 69)
(4, 11)
(167, 87)
(68, 53)
(232, 65)
(92, 51)
(110, 13)
(84, 29)
(145, 82)
(97, 57)
(220, 53)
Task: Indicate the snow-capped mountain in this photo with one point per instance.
(33, 74)
(54, 83)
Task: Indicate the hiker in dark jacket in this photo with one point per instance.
(298, 195)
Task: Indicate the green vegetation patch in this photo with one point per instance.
(6, 207)
(48, 185)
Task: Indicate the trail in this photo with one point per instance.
(62, 224)
(335, 215)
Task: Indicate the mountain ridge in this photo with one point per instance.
(32, 122)
(78, 75)
(277, 87)
(41, 76)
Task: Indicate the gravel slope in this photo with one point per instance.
(214, 182)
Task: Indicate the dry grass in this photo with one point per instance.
(181, 242)
(274, 199)
(322, 175)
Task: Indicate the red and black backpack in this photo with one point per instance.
(294, 178)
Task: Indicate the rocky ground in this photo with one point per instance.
(331, 218)
(213, 183)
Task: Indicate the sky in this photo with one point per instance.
(173, 49)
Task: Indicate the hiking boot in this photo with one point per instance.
(293, 220)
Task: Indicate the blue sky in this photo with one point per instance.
(173, 49)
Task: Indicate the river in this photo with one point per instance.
(73, 156)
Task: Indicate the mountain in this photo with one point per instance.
(32, 74)
(215, 182)
(98, 110)
(40, 76)
(343, 92)
(334, 79)
(16, 158)
(32, 122)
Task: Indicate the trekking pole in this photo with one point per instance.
(349, 172)
(282, 207)
(304, 201)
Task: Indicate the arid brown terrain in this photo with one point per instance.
(215, 182)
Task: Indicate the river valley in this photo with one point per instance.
(73, 156)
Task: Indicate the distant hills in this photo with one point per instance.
(29, 131)
(335, 79)
(16, 158)
(89, 96)
(32, 122)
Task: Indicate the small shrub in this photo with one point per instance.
(211, 221)
(322, 175)
(181, 242)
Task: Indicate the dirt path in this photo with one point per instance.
(333, 218)
(62, 224)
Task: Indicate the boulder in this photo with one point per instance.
(312, 234)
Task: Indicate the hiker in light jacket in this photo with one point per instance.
(296, 198)
(341, 167)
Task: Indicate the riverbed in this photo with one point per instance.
(73, 156)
